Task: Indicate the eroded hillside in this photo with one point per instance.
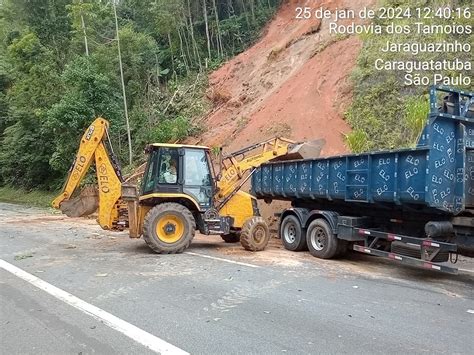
(293, 82)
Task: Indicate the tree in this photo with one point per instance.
(89, 94)
(59, 68)
(48, 21)
(26, 146)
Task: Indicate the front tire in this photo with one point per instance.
(291, 233)
(169, 228)
(255, 234)
(321, 241)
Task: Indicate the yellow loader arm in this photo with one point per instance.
(109, 178)
(236, 166)
(239, 166)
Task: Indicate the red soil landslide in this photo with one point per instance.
(294, 82)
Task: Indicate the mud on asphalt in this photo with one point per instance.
(59, 240)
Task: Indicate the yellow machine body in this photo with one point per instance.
(219, 199)
(240, 207)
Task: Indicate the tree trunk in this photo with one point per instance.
(186, 44)
(252, 9)
(204, 10)
(123, 89)
(193, 39)
(158, 72)
(83, 25)
(172, 55)
(218, 36)
(244, 10)
(182, 50)
(230, 9)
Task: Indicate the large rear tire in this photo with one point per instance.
(322, 243)
(291, 233)
(169, 228)
(255, 234)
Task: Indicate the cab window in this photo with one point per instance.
(168, 166)
(197, 177)
(162, 169)
(148, 183)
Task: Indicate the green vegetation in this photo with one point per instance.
(59, 69)
(385, 113)
(416, 111)
(357, 141)
(31, 198)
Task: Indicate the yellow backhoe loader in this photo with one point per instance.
(180, 191)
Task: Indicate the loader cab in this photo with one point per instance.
(179, 171)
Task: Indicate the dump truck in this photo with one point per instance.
(413, 206)
(180, 192)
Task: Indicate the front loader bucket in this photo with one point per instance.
(304, 150)
(83, 205)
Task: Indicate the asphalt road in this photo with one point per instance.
(273, 302)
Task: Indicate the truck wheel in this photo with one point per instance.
(168, 228)
(291, 233)
(232, 237)
(255, 234)
(322, 243)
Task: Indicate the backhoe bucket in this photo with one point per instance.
(304, 150)
(83, 205)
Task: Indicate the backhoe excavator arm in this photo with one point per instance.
(109, 178)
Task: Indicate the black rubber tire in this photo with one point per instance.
(149, 228)
(321, 241)
(292, 235)
(255, 234)
(232, 237)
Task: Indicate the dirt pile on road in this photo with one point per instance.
(293, 82)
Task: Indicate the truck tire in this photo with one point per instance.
(232, 237)
(169, 228)
(291, 234)
(255, 234)
(322, 243)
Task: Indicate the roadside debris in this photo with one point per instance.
(23, 256)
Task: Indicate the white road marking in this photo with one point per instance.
(466, 270)
(221, 259)
(140, 336)
(470, 311)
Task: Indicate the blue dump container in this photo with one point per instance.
(437, 176)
